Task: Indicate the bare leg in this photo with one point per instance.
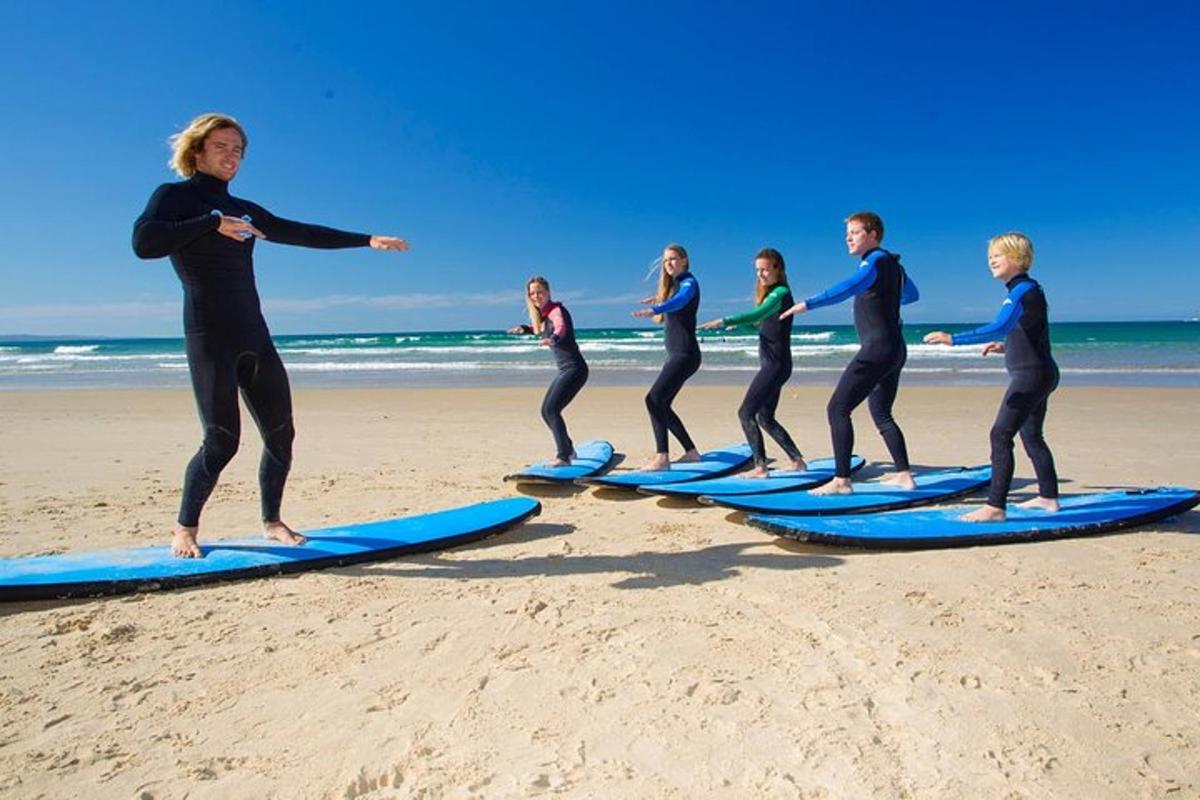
(835, 486)
(280, 532)
(184, 543)
(985, 513)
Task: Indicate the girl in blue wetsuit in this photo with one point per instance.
(1033, 375)
(551, 322)
(879, 287)
(675, 305)
(772, 296)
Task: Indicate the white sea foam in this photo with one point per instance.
(76, 348)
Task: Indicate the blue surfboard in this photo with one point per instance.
(1080, 515)
(142, 569)
(591, 458)
(819, 471)
(868, 498)
(710, 465)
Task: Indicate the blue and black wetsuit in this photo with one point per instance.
(879, 287)
(1024, 322)
(558, 327)
(683, 359)
(228, 344)
(774, 369)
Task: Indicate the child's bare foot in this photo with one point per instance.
(1042, 503)
(659, 463)
(835, 486)
(799, 465)
(757, 472)
(901, 480)
(280, 532)
(557, 462)
(985, 514)
(184, 543)
(690, 457)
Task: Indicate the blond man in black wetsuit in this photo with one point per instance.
(209, 236)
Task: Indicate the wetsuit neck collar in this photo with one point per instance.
(546, 309)
(1019, 278)
(679, 278)
(210, 182)
(876, 249)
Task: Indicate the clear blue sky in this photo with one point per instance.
(504, 139)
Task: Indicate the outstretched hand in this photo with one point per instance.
(516, 329)
(643, 312)
(648, 301)
(937, 337)
(388, 243)
(713, 324)
(992, 347)
(799, 308)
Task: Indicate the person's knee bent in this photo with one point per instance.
(219, 448)
(278, 442)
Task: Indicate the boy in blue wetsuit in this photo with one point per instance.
(1033, 375)
(879, 287)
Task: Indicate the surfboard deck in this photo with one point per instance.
(592, 458)
(1080, 515)
(139, 569)
(870, 497)
(717, 462)
(819, 471)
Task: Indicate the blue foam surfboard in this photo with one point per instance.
(870, 497)
(140, 569)
(710, 465)
(591, 458)
(819, 471)
(1080, 515)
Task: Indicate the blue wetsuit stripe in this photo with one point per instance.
(687, 290)
(1007, 318)
(857, 283)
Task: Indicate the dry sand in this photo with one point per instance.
(615, 648)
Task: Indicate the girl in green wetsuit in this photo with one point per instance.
(757, 412)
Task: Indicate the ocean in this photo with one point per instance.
(1088, 353)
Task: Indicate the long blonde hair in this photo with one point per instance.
(535, 313)
(190, 141)
(666, 284)
(776, 259)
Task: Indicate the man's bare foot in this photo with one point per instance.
(901, 480)
(557, 462)
(1041, 503)
(659, 463)
(835, 486)
(690, 457)
(985, 514)
(757, 472)
(799, 465)
(280, 532)
(184, 544)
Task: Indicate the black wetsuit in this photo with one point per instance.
(1033, 374)
(683, 359)
(774, 369)
(228, 345)
(879, 287)
(572, 375)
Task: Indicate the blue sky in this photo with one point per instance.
(509, 139)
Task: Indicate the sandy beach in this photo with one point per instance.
(616, 646)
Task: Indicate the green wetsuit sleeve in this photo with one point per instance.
(771, 304)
